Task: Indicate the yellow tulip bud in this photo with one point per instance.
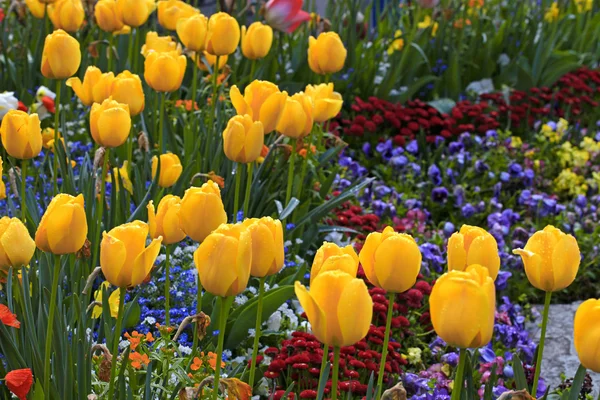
(587, 334)
(124, 257)
(127, 89)
(327, 102)
(326, 54)
(61, 55)
(16, 246)
(160, 44)
(135, 13)
(120, 174)
(165, 222)
(21, 134)
(224, 259)
(210, 60)
(294, 119)
(473, 245)
(108, 16)
(67, 15)
(164, 71)
(223, 34)
(37, 8)
(462, 306)
(243, 139)
(331, 257)
(63, 228)
(391, 260)
(110, 123)
(338, 306)
(551, 259)
(202, 211)
(255, 97)
(96, 86)
(256, 40)
(267, 246)
(113, 301)
(171, 11)
(170, 169)
(192, 31)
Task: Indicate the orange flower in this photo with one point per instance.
(216, 178)
(303, 151)
(460, 23)
(8, 318)
(19, 382)
(138, 359)
(187, 104)
(476, 3)
(212, 361)
(237, 389)
(264, 151)
(136, 338)
(196, 364)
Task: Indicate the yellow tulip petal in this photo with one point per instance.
(67, 229)
(355, 312)
(315, 314)
(457, 255)
(484, 251)
(565, 260)
(112, 260)
(114, 126)
(367, 256)
(214, 279)
(17, 244)
(144, 262)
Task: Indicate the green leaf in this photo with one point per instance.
(577, 383)
(38, 391)
(132, 315)
(520, 379)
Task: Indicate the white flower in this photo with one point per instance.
(252, 289)
(43, 91)
(504, 59)
(274, 321)
(251, 332)
(481, 87)
(123, 344)
(150, 321)
(7, 102)
(185, 350)
(240, 299)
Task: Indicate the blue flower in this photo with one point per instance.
(439, 194)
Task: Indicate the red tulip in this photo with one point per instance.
(8, 318)
(19, 382)
(285, 15)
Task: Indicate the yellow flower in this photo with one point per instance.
(63, 228)
(48, 138)
(327, 103)
(331, 257)
(21, 134)
(243, 139)
(165, 222)
(397, 44)
(255, 96)
(256, 40)
(61, 55)
(67, 14)
(127, 89)
(121, 174)
(338, 306)
(37, 8)
(135, 12)
(266, 235)
(426, 23)
(164, 72)
(223, 34)
(516, 142)
(2, 185)
(113, 301)
(326, 53)
(568, 181)
(473, 245)
(210, 60)
(96, 86)
(171, 11)
(170, 169)
(202, 211)
(551, 259)
(108, 16)
(192, 32)
(587, 334)
(16, 245)
(224, 260)
(159, 44)
(462, 306)
(110, 123)
(590, 145)
(552, 13)
(293, 116)
(584, 5)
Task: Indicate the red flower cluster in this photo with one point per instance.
(353, 216)
(573, 95)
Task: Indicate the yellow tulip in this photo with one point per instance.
(326, 53)
(136, 12)
(170, 169)
(551, 259)
(327, 102)
(164, 71)
(267, 246)
(110, 123)
(124, 257)
(21, 134)
(16, 246)
(96, 86)
(293, 115)
(210, 60)
(122, 173)
(473, 245)
(391, 260)
(255, 96)
(165, 222)
(61, 55)
(159, 44)
(462, 306)
(224, 259)
(338, 306)
(256, 40)
(587, 334)
(2, 185)
(113, 301)
(67, 15)
(37, 8)
(171, 11)
(223, 34)
(243, 139)
(127, 89)
(331, 257)
(108, 16)
(63, 228)
(192, 31)
(202, 211)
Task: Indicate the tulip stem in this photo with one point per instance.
(290, 182)
(50, 327)
(323, 362)
(130, 50)
(56, 122)
(115, 343)
(252, 70)
(540, 352)
(213, 103)
(261, 292)
(225, 303)
(167, 284)
(23, 192)
(100, 209)
(386, 341)
(459, 378)
(250, 166)
(111, 40)
(161, 122)
(236, 198)
(336, 368)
